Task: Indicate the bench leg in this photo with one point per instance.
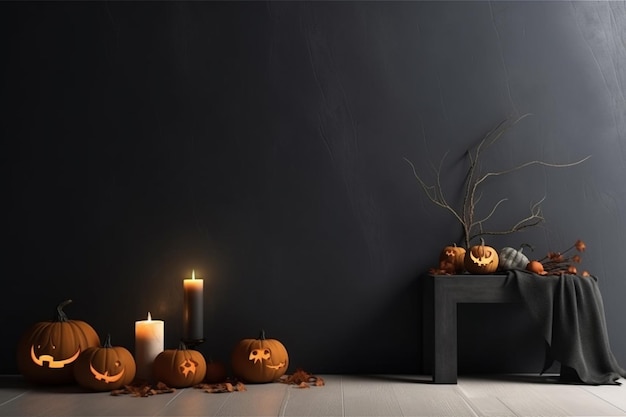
(445, 335)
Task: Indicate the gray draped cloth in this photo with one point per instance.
(570, 311)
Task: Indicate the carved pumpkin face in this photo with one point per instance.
(105, 368)
(454, 256)
(47, 351)
(180, 367)
(481, 259)
(259, 360)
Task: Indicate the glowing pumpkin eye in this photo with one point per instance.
(118, 363)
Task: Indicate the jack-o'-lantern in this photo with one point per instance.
(105, 368)
(453, 255)
(179, 368)
(47, 351)
(481, 259)
(259, 360)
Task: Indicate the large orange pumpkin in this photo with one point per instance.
(105, 368)
(481, 259)
(180, 367)
(259, 360)
(47, 351)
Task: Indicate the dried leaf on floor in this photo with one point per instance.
(143, 389)
(221, 387)
(302, 379)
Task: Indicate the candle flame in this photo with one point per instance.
(149, 316)
(193, 274)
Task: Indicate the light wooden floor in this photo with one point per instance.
(519, 395)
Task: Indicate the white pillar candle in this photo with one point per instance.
(149, 343)
(193, 328)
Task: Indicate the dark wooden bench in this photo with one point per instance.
(441, 295)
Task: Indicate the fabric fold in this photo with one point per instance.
(570, 312)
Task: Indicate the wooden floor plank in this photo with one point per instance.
(613, 394)
(40, 402)
(493, 386)
(11, 387)
(366, 396)
(485, 393)
(490, 407)
(197, 402)
(540, 395)
(258, 400)
(315, 401)
(417, 399)
(381, 396)
(576, 401)
(532, 406)
(7, 395)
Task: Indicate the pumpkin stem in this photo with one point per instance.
(526, 245)
(182, 345)
(107, 342)
(60, 314)
(262, 335)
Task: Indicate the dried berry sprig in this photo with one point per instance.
(562, 263)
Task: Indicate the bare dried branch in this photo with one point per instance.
(474, 179)
(535, 218)
(527, 164)
(488, 216)
(434, 193)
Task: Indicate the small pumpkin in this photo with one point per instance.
(215, 372)
(259, 360)
(47, 351)
(536, 267)
(105, 368)
(179, 368)
(481, 259)
(453, 255)
(511, 258)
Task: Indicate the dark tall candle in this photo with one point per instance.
(193, 306)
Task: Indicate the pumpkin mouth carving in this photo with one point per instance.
(49, 359)
(280, 365)
(484, 260)
(105, 376)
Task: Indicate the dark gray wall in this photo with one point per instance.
(262, 144)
